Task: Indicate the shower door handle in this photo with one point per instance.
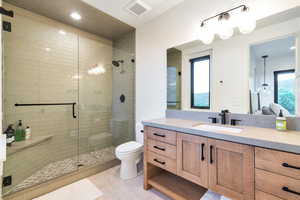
(73, 110)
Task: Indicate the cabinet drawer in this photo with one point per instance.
(162, 162)
(281, 186)
(287, 164)
(259, 195)
(162, 148)
(162, 135)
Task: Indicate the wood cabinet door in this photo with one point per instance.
(231, 169)
(192, 158)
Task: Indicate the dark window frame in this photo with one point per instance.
(276, 73)
(192, 61)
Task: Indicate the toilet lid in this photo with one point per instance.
(129, 147)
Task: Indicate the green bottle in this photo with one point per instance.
(281, 122)
(20, 132)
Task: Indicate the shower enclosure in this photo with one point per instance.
(60, 81)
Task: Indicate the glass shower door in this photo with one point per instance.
(95, 101)
(40, 87)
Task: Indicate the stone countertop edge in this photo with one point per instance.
(230, 138)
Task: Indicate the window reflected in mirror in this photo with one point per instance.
(200, 84)
(285, 89)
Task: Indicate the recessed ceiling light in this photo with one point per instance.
(47, 49)
(293, 48)
(75, 15)
(62, 32)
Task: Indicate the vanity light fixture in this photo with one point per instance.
(246, 22)
(225, 27)
(293, 48)
(207, 36)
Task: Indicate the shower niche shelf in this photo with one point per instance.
(19, 146)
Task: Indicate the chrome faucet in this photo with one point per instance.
(223, 116)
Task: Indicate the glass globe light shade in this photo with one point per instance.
(225, 29)
(246, 22)
(206, 35)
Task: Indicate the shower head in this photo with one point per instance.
(116, 63)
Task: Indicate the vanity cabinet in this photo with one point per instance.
(184, 166)
(231, 169)
(224, 167)
(192, 158)
(277, 173)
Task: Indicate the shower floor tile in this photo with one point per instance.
(59, 168)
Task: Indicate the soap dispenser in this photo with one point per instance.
(20, 132)
(281, 122)
(10, 135)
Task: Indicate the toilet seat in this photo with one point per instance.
(129, 147)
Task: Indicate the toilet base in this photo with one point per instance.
(128, 169)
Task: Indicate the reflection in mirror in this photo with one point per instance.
(174, 57)
(254, 73)
(272, 77)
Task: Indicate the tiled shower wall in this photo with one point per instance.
(123, 83)
(43, 66)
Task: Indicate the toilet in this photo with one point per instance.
(130, 153)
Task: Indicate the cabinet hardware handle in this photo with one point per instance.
(160, 162)
(286, 189)
(290, 166)
(159, 148)
(202, 151)
(159, 135)
(211, 154)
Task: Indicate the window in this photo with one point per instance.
(200, 83)
(284, 89)
(172, 86)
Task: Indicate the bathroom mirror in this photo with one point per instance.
(254, 73)
(272, 77)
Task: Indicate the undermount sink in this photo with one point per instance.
(211, 128)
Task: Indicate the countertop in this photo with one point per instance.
(262, 137)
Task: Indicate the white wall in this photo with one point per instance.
(175, 27)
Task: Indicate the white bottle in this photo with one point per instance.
(27, 133)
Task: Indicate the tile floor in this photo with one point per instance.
(59, 168)
(108, 186)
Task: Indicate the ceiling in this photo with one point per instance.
(93, 20)
(274, 48)
(117, 8)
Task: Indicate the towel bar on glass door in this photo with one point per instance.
(51, 104)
